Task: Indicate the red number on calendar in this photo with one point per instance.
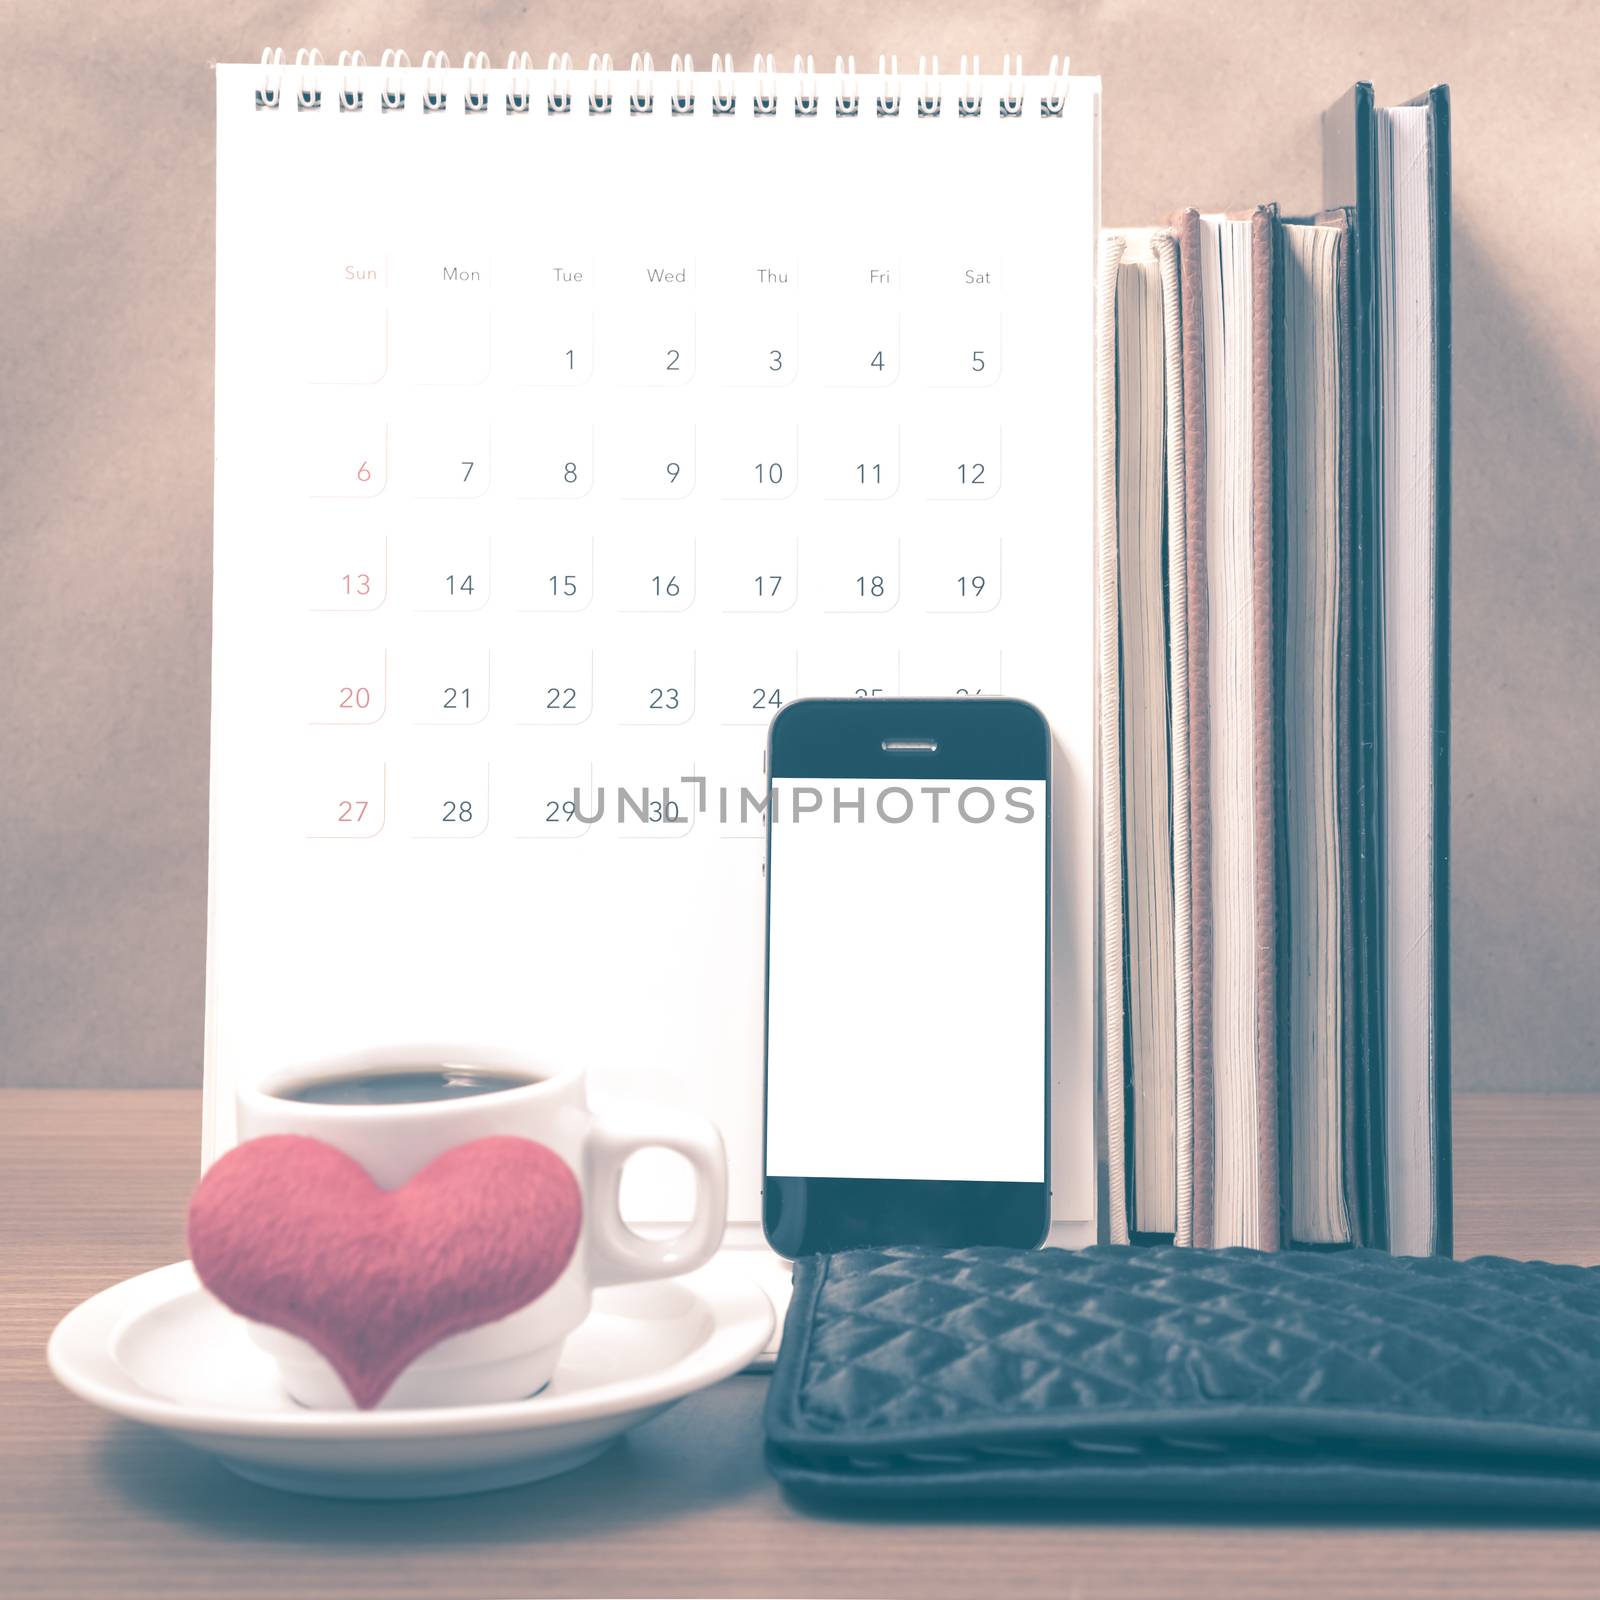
(357, 583)
(354, 699)
(363, 473)
(352, 810)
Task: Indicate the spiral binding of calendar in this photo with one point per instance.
(475, 87)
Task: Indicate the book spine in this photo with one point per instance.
(1113, 1209)
(1203, 1145)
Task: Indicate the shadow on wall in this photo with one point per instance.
(1525, 694)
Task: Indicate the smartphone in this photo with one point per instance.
(908, 975)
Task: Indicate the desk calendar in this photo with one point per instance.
(568, 423)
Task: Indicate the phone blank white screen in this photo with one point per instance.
(906, 981)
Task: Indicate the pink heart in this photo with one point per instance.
(290, 1231)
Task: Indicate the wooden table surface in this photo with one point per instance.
(94, 1185)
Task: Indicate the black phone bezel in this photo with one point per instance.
(980, 737)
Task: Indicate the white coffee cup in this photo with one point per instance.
(516, 1355)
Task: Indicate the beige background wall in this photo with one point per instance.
(105, 415)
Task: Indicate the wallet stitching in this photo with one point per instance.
(1410, 1418)
(788, 1382)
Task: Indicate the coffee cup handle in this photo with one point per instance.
(617, 1253)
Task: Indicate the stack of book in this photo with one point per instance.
(1274, 473)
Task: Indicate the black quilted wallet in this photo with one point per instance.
(1139, 1374)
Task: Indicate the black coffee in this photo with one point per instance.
(406, 1087)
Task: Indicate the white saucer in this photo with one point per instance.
(158, 1349)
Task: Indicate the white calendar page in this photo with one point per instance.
(553, 453)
